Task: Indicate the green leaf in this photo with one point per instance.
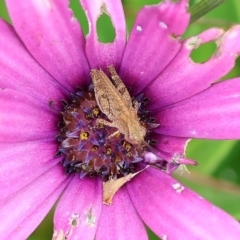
(209, 154)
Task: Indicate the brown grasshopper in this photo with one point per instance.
(115, 102)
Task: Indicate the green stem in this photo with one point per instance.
(203, 7)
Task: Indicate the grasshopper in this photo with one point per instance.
(115, 102)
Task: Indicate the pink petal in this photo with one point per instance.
(41, 151)
(17, 207)
(168, 153)
(154, 42)
(171, 147)
(25, 118)
(175, 212)
(17, 159)
(120, 220)
(212, 114)
(79, 209)
(30, 222)
(100, 54)
(53, 36)
(21, 72)
(184, 78)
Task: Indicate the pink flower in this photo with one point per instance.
(44, 57)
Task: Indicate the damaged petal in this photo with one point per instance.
(167, 19)
(164, 237)
(99, 54)
(91, 219)
(139, 28)
(103, 9)
(58, 235)
(193, 43)
(204, 37)
(190, 77)
(163, 25)
(178, 187)
(74, 220)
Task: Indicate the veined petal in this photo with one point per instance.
(30, 222)
(154, 42)
(212, 114)
(53, 36)
(25, 161)
(116, 217)
(177, 212)
(18, 206)
(78, 212)
(25, 118)
(100, 54)
(21, 72)
(183, 78)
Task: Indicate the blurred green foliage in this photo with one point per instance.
(217, 177)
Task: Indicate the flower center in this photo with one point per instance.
(92, 148)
